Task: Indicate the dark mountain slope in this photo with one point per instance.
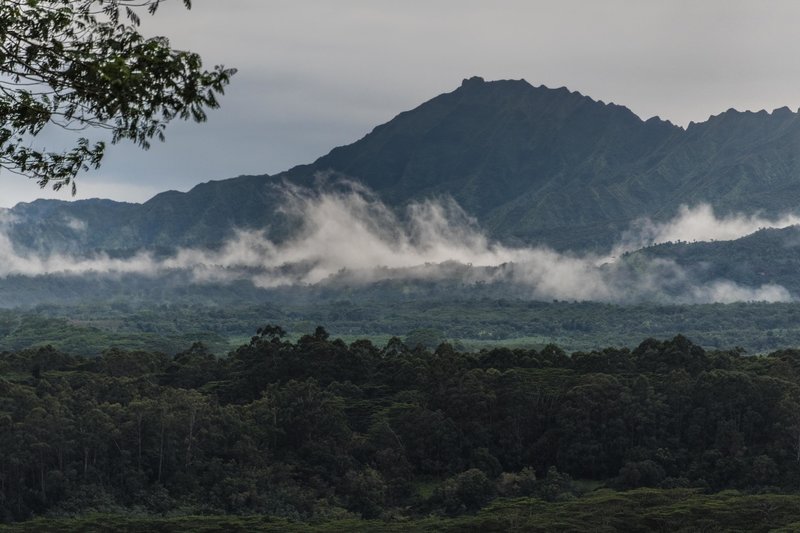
(542, 165)
(534, 165)
(207, 213)
(204, 216)
(766, 256)
(73, 227)
(736, 161)
(525, 160)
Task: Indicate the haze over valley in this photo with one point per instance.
(495, 182)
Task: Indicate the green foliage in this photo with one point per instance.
(23, 330)
(640, 510)
(318, 430)
(426, 337)
(646, 473)
(82, 63)
(643, 510)
(465, 492)
(502, 327)
(766, 256)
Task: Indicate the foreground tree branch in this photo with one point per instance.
(81, 65)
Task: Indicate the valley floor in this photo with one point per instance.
(640, 510)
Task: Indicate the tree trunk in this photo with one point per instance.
(798, 446)
(161, 449)
(192, 416)
(139, 441)
(41, 478)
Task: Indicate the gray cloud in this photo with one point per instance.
(698, 223)
(317, 74)
(346, 234)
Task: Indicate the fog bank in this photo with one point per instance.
(347, 235)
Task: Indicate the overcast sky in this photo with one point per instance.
(317, 74)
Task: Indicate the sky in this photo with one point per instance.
(320, 73)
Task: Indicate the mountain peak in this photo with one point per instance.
(474, 80)
(538, 99)
(495, 143)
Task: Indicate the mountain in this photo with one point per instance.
(768, 256)
(204, 216)
(549, 165)
(532, 164)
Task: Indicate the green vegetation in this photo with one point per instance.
(639, 510)
(767, 256)
(20, 331)
(83, 64)
(378, 314)
(321, 435)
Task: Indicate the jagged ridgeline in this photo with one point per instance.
(534, 165)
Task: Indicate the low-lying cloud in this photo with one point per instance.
(700, 223)
(347, 235)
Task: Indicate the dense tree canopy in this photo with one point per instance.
(83, 64)
(317, 428)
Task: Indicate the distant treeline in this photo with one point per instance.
(470, 324)
(318, 429)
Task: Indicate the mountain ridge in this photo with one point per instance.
(534, 165)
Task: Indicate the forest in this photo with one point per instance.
(318, 433)
(469, 324)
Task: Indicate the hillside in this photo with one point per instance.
(532, 164)
(548, 165)
(767, 256)
(206, 215)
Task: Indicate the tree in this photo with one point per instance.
(467, 491)
(82, 64)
